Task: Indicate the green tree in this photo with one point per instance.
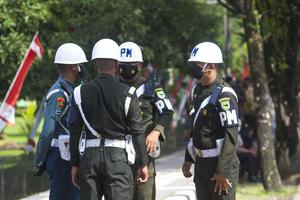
(281, 30)
(166, 31)
(248, 9)
(19, 20)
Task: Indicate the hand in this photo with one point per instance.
(142, 174)
(151, 140)
(186, 169)
(253, 151)
(186, 135)
(221, 184)
(38, 171)
(74, 174)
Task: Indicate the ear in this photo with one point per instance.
(74, 67)
(141, 66)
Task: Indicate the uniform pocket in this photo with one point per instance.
(234, 171)
(117, 165)
(117, 154)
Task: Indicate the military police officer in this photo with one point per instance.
(213, 144)
(156, 109)
(52, 151)
(111, 117)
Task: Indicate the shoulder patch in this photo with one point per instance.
(60, 102)
(160, 93)
(225, 104)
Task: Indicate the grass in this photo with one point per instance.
(14, 135)
(17, 164)
(257, 192)
(11, 157)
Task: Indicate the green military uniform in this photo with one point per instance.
(214, 138)
(157, 114)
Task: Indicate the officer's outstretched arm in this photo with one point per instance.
(228, 113)
(134, 119)
(75, 124)
(54, 106)
(165, 111)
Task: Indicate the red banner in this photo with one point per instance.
(7, 109)
(246, 71)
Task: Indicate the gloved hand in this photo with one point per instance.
(38, 171)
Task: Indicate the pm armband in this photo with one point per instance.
(228, 112)
(162, 103)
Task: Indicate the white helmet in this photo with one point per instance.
(206, 52)
(106, 48)
(130, 52)
(69, 53)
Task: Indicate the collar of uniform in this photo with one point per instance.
(67, 84)
(207, 89)
(216, 82)
(104, 75)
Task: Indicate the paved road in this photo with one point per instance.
(170, 183)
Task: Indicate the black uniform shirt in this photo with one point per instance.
(103, 103)
(215, 122)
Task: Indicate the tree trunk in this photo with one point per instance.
(282, 148)
(293, 89)
(270, 176)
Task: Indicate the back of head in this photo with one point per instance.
(102, 64)
(105, 54)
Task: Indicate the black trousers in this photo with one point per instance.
(104, 171)
(205, 169)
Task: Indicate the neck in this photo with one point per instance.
(110, 72)
(208, 80)
(68, 77)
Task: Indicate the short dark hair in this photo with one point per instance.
(105, 64)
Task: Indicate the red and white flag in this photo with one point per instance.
(7, 109)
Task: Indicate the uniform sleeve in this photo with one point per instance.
(187, 156)
(165, 110)
(135, 125)
(75, 124)
(53, 109)
(228, 113)
(188, 126)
